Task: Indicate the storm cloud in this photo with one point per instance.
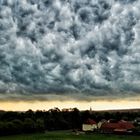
(78, 48)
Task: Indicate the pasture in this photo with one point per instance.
(67, 135)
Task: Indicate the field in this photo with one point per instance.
(65, 135)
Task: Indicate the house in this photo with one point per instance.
(137, 121)
(100, 123)
(89, 125)
(120, 127)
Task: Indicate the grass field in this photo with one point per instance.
(65, 135)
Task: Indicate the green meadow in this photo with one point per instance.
(65, 135)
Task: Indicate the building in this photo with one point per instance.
(120, 127)
(100, 123)
(89, 125)
(137, 121)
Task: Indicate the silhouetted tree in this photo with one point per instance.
(29, 125)
(40, 127)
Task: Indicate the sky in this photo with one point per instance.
(69, 50)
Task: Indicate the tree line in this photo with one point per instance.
(53, 119)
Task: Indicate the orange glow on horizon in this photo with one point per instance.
(45, 105)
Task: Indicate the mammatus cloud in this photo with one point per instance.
(69, 47)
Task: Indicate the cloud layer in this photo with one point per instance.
(69, 47)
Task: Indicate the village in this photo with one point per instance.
(111, 126)
(70, 123)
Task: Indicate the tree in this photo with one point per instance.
(29, 125)
(40, 127)
(18, 125)
(76, 118)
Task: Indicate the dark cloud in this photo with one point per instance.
(78, 48)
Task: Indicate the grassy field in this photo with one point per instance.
(68, 136)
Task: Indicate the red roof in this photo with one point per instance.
(118, 125)
(126, 125)
(90, 121)
(120, 130)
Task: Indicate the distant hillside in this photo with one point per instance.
(120, 110)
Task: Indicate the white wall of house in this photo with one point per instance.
(99, 125)
(89, 127)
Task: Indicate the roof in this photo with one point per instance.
(90, 121)
(120, 130)
(118, 125)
